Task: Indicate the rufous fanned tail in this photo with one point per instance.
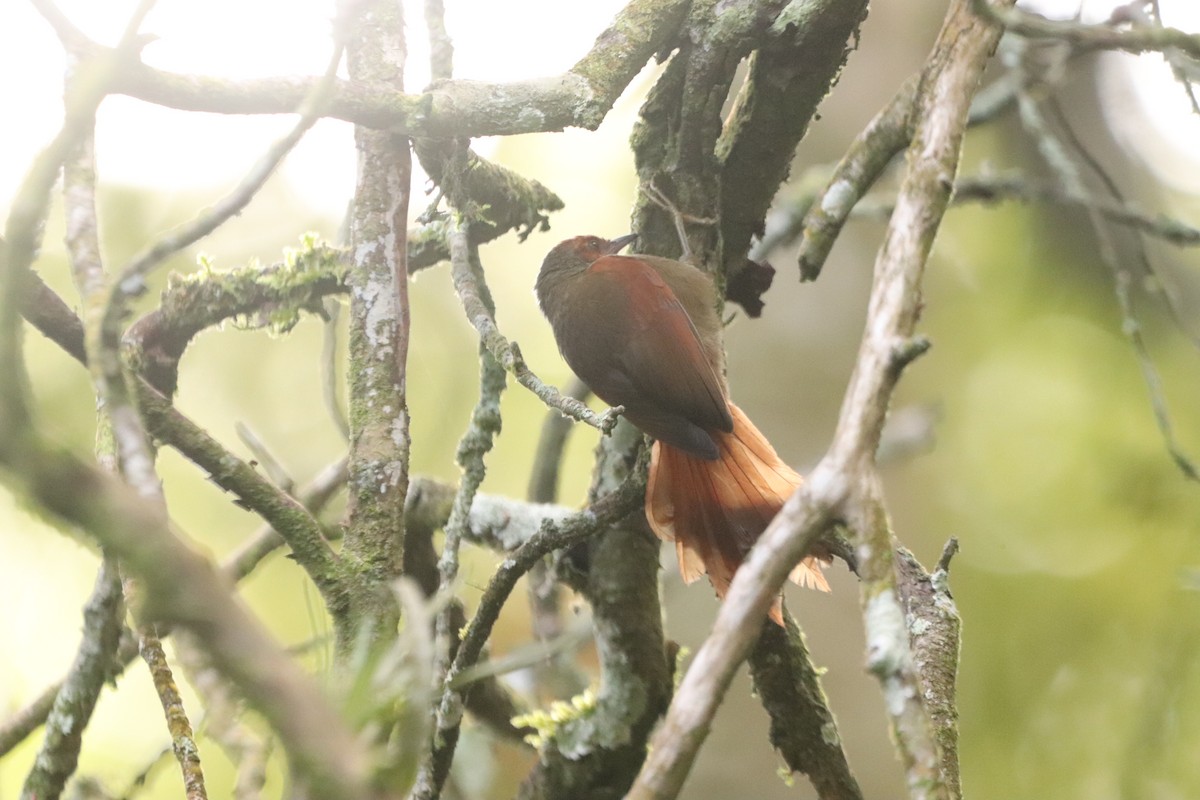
(714, 511)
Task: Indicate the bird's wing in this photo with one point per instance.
(646, 346)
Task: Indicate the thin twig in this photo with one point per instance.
(1057, 153)
(1172, 57)
(509, 356)
(1138, 39)
(183, 741)
(474, 445)
(870, 153)
(264, 458)
(72, 39)
(23, 228)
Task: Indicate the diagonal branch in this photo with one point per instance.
(803, 728)
(508, 355)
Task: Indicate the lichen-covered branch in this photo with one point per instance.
(550, 537)
(379, 328)
(934, 626)
(580, 97)
(271, 296)
(105, 335)
(224, 723)
(799, 61)
(509, 355)
(803, 728)
(493, 199)
(178, 585)
(183, 741)
(474, 445)
(240, 564)
(285, 514)
(477, 440)
(76, 696)
(866, 159)
(596, 754)
(675, 139)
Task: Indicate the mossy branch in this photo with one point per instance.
(264, 296)
(803, 728)
(284, 513)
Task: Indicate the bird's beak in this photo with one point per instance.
(618, 244)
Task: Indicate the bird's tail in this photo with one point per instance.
(714, 511)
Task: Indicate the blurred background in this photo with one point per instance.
(1079, 574)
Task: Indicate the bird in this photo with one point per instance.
(644, 332)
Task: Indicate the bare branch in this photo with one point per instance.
(1137, 39)
(870, 153)
(580, 97)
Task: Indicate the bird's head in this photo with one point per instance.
(583, 250)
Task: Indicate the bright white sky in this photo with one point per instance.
(143, 145)
(140, 144)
